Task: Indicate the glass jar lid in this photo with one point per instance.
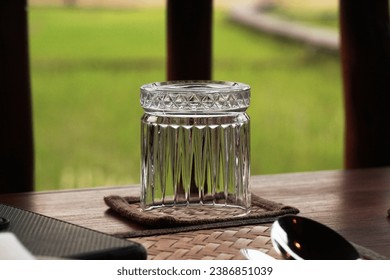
(195, 96)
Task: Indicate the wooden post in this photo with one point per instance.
(365, 54)
(189, 43)
(16, 140)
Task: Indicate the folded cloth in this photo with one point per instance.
(262, 211)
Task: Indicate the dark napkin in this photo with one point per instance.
(262, 211)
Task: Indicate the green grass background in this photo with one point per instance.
(324, 18)
(87, 66)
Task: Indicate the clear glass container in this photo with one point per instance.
(195, 145)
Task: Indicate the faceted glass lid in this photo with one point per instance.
(195, 96)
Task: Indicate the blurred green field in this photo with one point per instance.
(88, 64)
(324, 18)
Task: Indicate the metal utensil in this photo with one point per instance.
(300, 238)
(252, 254)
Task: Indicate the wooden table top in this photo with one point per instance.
(353, 202)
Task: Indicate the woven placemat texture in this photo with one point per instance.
(219, 244)
(185, 233)
(262, 211)
(211, 244)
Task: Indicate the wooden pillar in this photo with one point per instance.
(16, 137)
(189, 43)
(365, 54)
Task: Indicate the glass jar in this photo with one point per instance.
(195, 145)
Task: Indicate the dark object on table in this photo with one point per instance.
(48, 237)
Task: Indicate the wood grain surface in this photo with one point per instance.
(354, 203)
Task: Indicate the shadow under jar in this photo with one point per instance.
(195, 146)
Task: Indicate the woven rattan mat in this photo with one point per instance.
(181, 235)
(219, 244)
(211, 244)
